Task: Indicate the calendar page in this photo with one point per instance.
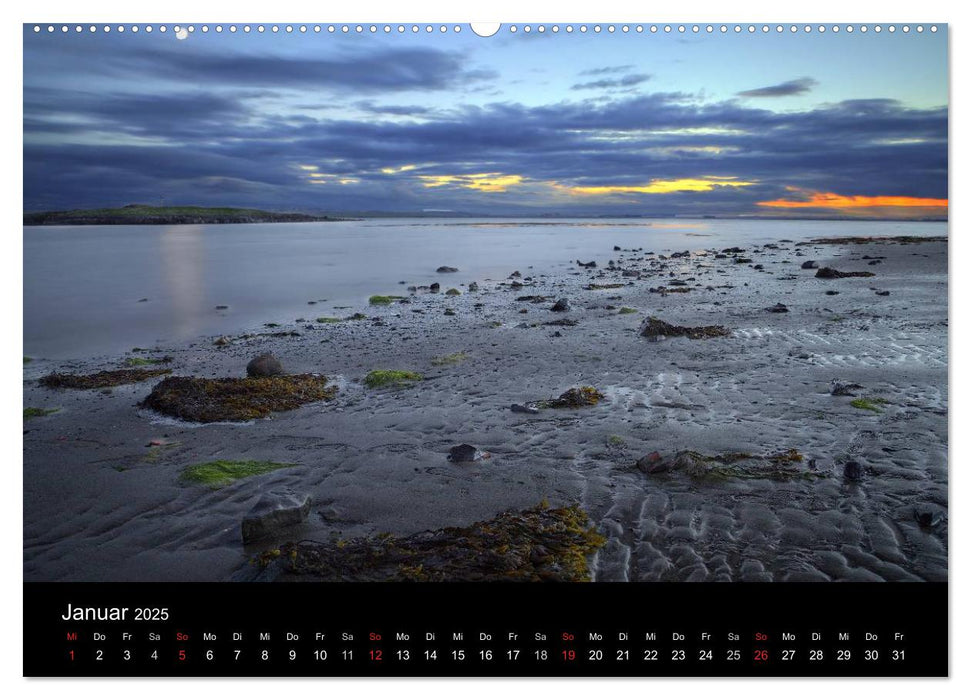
(516, 349)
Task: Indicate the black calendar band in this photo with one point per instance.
(340, 630)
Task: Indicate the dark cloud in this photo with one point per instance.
(793, 87)
(397, 110)
(626, 81)
(607, 70)
(387, 70)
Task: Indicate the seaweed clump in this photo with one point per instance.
(537, 544)
(235, 399)
(222, 472)
(779, 466)
(574, 398)
(100, 380)
(831, 273)
(655, 329)
(146, 361)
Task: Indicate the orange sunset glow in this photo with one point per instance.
(831, 200)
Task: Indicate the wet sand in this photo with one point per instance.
(100, 504)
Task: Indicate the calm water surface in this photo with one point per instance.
(84, 285)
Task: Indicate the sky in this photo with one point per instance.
(580, 124)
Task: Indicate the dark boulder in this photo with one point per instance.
(265, 365)
(561, 305)
(809, 265)
(853, 471)
(446, 268)
(275, 510)
(464, 453)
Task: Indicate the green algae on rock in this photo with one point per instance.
(34, 412)
(537, 544)
(219, 473)
(452, 359)
(203, 400)
(377, 378)
(868, 404)
(100, 380)
(382, 300)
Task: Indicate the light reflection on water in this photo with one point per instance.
(183, 262)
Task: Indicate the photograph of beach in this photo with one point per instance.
(428, 306)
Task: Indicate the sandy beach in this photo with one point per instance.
(103, 497)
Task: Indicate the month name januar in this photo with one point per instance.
(74, 613)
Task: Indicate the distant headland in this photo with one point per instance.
(142, 214)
